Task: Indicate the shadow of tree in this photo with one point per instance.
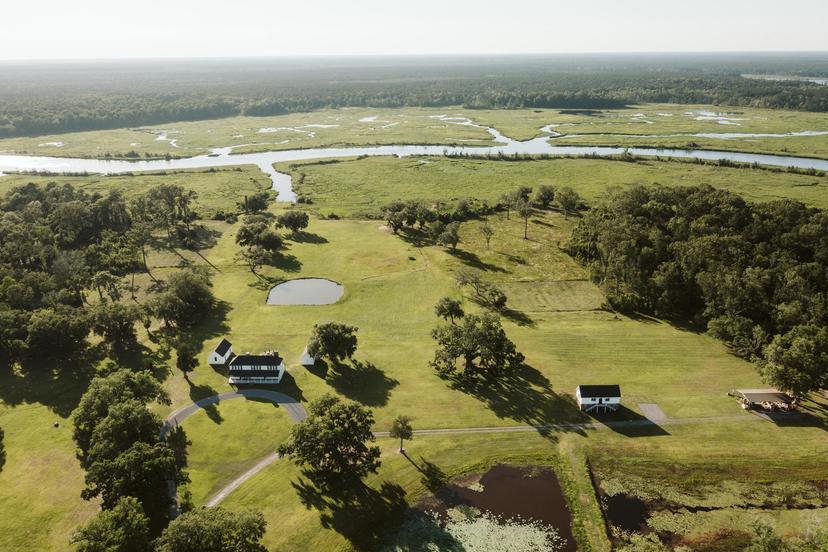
(471, 259)
(319, 368)
(512, 257)
(285, 262)
(308, 237)
(198, 392)
(212, 326)
(433, 477)
(178, 441)
(361, 514)
(525, 395)
(202, 237)
(56, 384)
(362, 382)
(142, 358)
(518, 317)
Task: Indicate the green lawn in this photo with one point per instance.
(231, 437)
(362, 187)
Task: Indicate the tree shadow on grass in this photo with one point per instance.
(308, 237)
(471, 259)
(319, 369)
(286, 262)
(142, 358)
(56, 384)
(178, 441)
(198, 392)
(628, 423)
(433, 478)
(362, 382)
(518, 317)
(361, 514)
(514, 258)
(526, 396)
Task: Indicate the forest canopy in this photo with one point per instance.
(754, 274)
(50, 98)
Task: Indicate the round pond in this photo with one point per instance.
(305, 291)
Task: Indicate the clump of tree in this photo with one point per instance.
(333, 340)
(120, 445)
(124, 527)
(335, 441)
(432, 218)
(260, 241)
(752, 273)
(544, 196)
(214, 530)
(401, 429)
(257, 202)
(487, 231)
(66, 259)
(185, 300)
(568, 200)
(294, 220)
(485, 293)
(476, 347)
(449, 309)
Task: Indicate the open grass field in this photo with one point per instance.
(364, 186)
(391, 286)
(647, 125)
(224, 448)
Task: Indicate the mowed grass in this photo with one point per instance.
(40, 480)
(231, 437)
(364, 186)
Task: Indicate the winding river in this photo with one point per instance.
(222, 157)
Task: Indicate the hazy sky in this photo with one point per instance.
(207, 28)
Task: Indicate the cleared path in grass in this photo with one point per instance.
(295, 411)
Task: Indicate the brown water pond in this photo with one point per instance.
(510, 492)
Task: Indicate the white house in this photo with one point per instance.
(603, 397)
(221, 354)
(263, 369)
(306, 359)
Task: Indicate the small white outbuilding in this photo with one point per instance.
(221, 354)
(306, 359)
(601, 397)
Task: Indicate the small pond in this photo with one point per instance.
(305, 291)
(528, 493)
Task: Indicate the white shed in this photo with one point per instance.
(221, 354)
(603, 397)
(306, 359)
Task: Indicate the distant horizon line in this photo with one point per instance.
(410, 55)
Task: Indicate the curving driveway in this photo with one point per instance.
(294, 409)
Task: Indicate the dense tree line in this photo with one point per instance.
(52, 99)
(754, 274)
(67, 265)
